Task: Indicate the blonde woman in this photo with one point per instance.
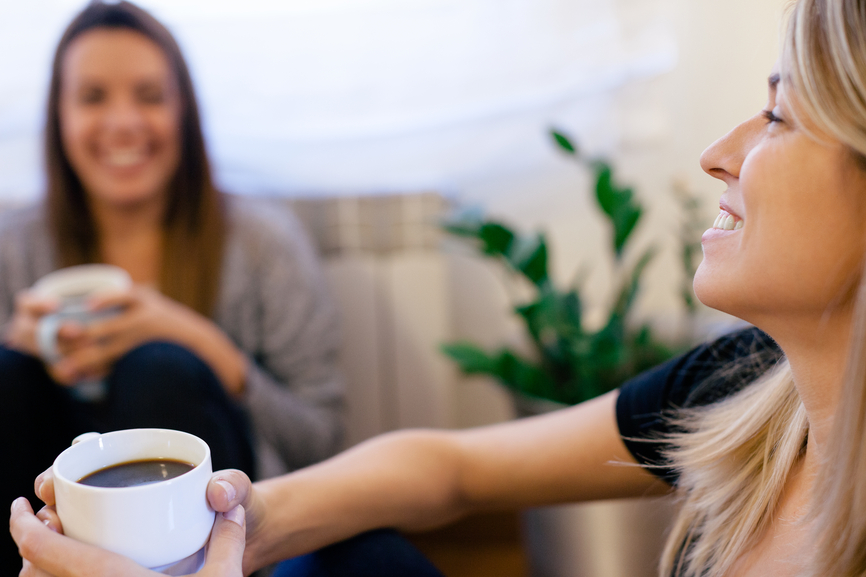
(772, 472)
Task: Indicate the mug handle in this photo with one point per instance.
(46, 338)
(84, 437)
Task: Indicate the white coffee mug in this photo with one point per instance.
(72, 287)
(164, 525)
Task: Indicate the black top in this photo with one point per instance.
(704, 375)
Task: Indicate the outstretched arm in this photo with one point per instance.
(420, 479)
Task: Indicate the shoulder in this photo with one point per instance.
(23, 222)
(723, 367)
(707, 373)
(24, 235)
(264, 234)
(26, 247)
(264, 220)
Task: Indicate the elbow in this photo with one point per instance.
(432, 463)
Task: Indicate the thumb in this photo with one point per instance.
(226, 546)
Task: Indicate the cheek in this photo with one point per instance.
(75, 131)
(165, 126)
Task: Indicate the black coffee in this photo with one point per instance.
(135, 473)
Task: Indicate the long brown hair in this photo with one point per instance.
(194, 222)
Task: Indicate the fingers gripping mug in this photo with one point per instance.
(72, 287)
(142, 512)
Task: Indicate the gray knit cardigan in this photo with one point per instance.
(273, 304)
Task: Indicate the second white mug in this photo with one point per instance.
(72, 286)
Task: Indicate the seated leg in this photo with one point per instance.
(163, 385)
(37, 422)
(380, 553)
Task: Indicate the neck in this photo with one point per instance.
(131, 237)
(122, 222)
(817, 351)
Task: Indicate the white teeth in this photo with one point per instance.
(727, 221)
(122, 158)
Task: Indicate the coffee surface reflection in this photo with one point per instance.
(135, 473)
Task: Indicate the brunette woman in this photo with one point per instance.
(228, 332)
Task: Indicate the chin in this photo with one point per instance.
(127, 196)
(713, 290)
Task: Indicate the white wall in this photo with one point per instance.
(726, 49)
(360, 96)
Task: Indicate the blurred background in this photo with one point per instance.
(342, 97)
(373, 115)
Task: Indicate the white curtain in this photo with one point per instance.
(304, 97)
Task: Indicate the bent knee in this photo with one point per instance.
(169, 367)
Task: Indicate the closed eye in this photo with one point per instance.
(768, 114)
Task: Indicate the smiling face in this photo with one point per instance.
(790, 237)
(120, 113)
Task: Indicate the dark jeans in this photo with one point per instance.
(158, 385)
(382, 553)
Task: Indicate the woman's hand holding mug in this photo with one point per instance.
(47, 552)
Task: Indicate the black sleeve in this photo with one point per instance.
(704, 375)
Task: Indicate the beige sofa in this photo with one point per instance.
(402, 291)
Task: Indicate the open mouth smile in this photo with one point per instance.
(727, 221)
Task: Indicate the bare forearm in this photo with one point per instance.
(210, 343)
(405, 480)
(575, 454)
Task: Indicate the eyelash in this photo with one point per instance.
(768, 114)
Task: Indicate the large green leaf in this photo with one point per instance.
(528, 254)
(563, 142)
(617, 204)
(524, 376)
(496, 238)
(625, 220)
(470, 358)
(511, 370)
(629, 289)
(605, 192)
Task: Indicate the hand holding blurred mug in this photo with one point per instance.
(143, 315)
(146, 315)
(21, 331)
(58, 332)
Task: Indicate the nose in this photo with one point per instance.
(122, 115)
(724, 158)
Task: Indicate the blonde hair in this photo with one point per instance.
(735, 457)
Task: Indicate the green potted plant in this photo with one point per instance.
(572, 363)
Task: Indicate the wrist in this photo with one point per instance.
(236, 379)
(276, 523)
